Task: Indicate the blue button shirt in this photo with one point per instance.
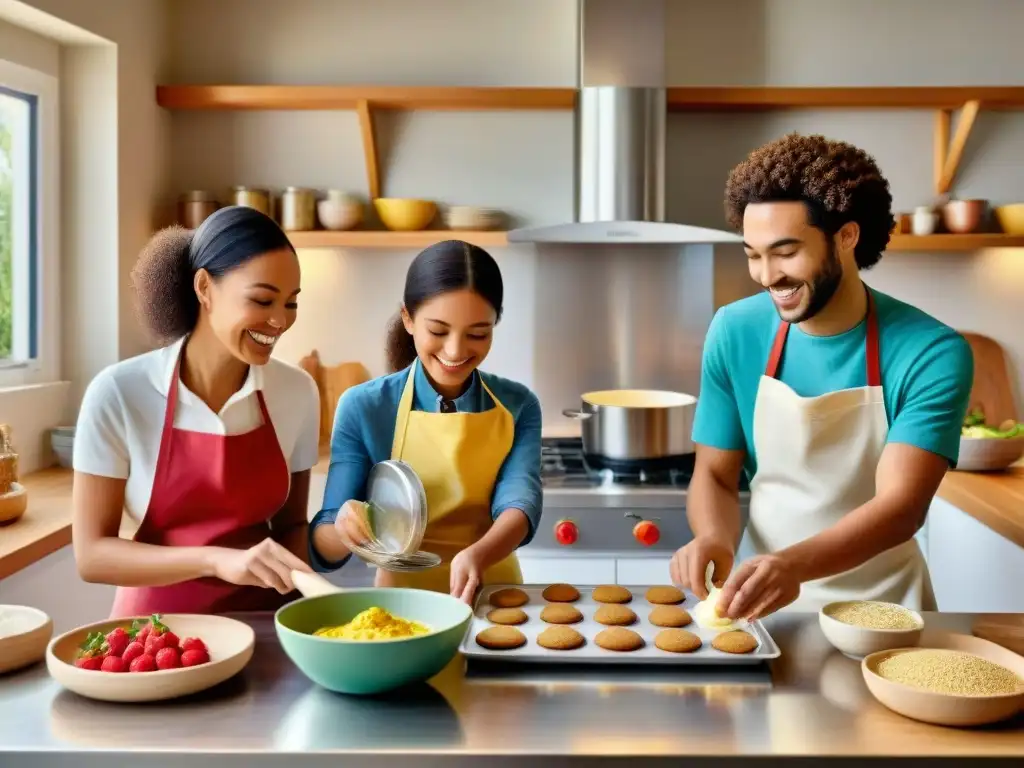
(364, 429)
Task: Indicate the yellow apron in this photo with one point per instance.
(457, 457)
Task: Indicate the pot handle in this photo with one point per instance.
(574, 413)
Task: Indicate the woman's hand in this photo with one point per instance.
(268, 564)
(467, 570)
(351, 525)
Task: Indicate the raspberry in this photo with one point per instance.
(167, 658)
(194, 658)
(193, 644)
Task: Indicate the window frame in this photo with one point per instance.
(43, 364)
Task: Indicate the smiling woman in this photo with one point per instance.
(473, 438)
(207, 442)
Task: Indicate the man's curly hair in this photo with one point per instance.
(836, 181)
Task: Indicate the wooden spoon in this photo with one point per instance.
(313, 584)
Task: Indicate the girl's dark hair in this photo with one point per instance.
(450, 265)
(163, 275)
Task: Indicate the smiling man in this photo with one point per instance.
(841, 404)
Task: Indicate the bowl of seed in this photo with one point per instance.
(859, 627)
(950, 679)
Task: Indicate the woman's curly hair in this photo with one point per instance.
(837, 181)
(165, 298)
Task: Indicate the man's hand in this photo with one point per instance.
(690, 563)
(760, 586)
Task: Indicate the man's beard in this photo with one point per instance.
(822, 287)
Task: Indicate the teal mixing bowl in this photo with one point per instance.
(372, 666)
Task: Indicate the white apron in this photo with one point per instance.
(816, 461)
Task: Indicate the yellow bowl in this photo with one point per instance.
(1011, 218)
(405, 214)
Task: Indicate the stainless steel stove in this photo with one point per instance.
(588, 531)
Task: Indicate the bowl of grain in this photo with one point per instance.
(859, 627)
(951, 679)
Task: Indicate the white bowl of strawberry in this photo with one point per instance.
(150, 659)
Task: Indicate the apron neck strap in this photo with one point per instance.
(874, 368)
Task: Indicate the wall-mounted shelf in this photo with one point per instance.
(953, 242)
(947, 154)
(365, 100)
(385, 239)
(349, 96)
(724, 99)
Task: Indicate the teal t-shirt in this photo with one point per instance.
(927, 373)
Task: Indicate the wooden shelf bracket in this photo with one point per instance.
(365, 111)
(948, 154)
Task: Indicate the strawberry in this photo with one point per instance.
(154, 643)
(194, 657)
(93, 663)
(171, 640)
(193, 644)
(167, 658)
(144, 663)
(142, 633)
(132, 652)
(113, 664)
(116, 642)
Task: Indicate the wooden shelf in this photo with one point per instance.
(386, 239)
(718, 99)
(953, 242)
(349, 97)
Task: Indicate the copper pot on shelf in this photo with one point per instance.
(962, 217)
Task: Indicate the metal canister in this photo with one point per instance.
(252, 198)
(195, 206)
(298, 209)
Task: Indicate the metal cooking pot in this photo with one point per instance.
(635, 424)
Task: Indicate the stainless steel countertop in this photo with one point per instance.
(811, 702)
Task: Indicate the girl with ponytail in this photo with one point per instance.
(472, 437)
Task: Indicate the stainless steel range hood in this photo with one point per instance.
(620, 133)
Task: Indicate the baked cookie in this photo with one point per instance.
(677, 641)
(612, 593)
(500, 638)
(665, 595)
(507, 616)
(509, 598)
(560, 613)
(561, 593)
(734, 641)
(560, 639)
(614, 615)
(669, 616)
(619, 639)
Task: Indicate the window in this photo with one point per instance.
(19, 210)
(29, 232)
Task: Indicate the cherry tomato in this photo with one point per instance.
(646, 533)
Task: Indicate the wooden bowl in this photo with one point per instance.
(24, 633)
(230, 643)
(945, 708)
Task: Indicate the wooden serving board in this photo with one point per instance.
(992, 390)
(1005, 629)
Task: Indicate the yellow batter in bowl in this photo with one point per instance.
(374, 624)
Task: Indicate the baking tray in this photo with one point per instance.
(590, 652)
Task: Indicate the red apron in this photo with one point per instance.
(210, 490)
